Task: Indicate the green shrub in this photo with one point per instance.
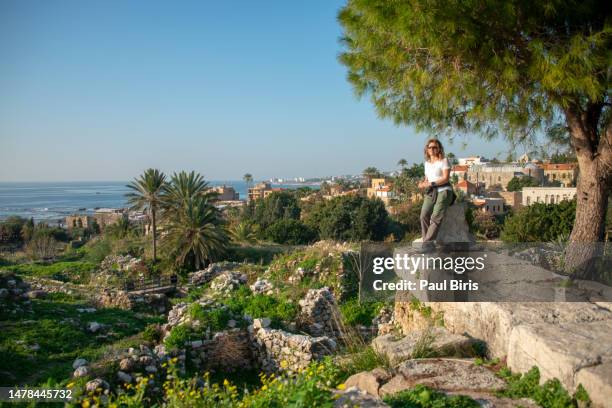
(551, 394)
(540, 222)
(354, 313)
(178, 336)
(425, 397)
(216, 319)
(98, 250)
(278, 308)
(350, 218)
(291, 232)
(152, 333)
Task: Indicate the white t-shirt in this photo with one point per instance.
(433, 171)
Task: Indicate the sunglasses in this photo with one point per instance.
(432, 147)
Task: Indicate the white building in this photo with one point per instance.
(547, 195)
(468, 161)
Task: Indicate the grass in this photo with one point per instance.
(65, 271)
(60, 331)
(355, 312)
(425, 397)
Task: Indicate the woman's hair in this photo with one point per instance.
(440, 148)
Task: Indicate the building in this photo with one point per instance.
(469, 188)
(262, 190)
(547, 195)
(497, 175)
(380, 188)
(226, 193)
(564, 173)
(108, 216)
(256, 192)
(491, 205)
(460, 171)
(512, 199)
(469, 161)
(78, 221)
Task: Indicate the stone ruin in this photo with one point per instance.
(204, 276)
(320, 315)
(277, 350)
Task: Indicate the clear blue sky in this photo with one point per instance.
(100, 90)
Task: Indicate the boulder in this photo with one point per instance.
(438, 340)
(564, 351)
(94, 327)
(81, 371)
(569, 340)
(124, 377)
(79, 362)
(369, 381)
(96, 384)
(353, 397)
(448, 375)
(127, 364)
(261, 323)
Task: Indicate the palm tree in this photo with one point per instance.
(244, 231)
(147, 197)
(194, 233)
(181, 188)
(369, 173)
(402, 163)
(248, 179)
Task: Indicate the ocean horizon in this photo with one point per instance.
(51, 201)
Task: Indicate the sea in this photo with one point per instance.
(52, 201)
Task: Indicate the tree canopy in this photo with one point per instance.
(473, 66)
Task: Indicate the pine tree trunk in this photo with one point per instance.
(594, 157)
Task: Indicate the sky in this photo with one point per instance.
(101, 90)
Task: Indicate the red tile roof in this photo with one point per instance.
(559, 166)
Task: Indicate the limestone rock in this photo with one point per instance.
(563, 351)
(94, 327)
(81, 371)
(439, 341)
(261, 323)
(449, 375)
(369, 381)
(127, 364)
(566, 340)
(353, 397)
(262, 286)
(79, 362)
(96, 384)
(124, 377)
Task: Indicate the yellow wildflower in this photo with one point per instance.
(341, 386)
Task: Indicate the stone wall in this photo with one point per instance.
(319, 313)
(277, 350)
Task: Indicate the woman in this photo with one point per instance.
(439, 194)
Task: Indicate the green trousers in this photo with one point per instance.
(432, 214)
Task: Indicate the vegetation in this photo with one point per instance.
(292, 232)
(146, 196)
(424, 397)
(354, 313)
(516, 71)
(60, 341)
(551, 394)
(540, 222)
(517, 183)
(350, 218)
